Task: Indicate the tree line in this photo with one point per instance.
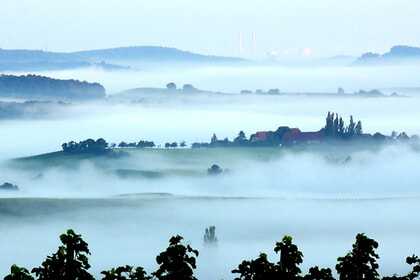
(335, 128)
(334, 131)
(32, 85)
(178, 262)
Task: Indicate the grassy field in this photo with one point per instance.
(153, 162)
(158, 163)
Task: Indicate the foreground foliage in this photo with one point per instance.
(178, 262)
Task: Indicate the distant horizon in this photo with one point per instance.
(252, 30)
(188, 51)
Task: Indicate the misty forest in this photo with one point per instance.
(250, 169)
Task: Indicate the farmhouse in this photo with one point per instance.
(259, 136)
(303, 138)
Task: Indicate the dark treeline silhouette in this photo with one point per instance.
(214, 170)
(335, 128)
(335, 131)
(8, 187)
(139, 145)
(89, 146)
(178, 262)
(34, 85)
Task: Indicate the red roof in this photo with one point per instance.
(262, 135)
(259, 136)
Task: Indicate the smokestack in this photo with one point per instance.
(254, 45)
(240, 44)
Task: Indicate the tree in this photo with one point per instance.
(290, 258)
(360, 263)
(213, 139)
(177, 262)
(241, 135)
(214, 169)
(273, 91)
(182, 144)
(358, 129)
(335, 126)
(319, 274)
(379, 137)
(350, 128)
(171, 86)
(210, 235)
(416, 269)
(70, 262)
(18, 273)
(329, 121)
(258, 269)
(394, 134)
(341, 129)
(189, 88)
(413, 274)
(125, 273)
(240, 140)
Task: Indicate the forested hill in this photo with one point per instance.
(397, 54)
(153, 53)
(115, 58)
(34, 87)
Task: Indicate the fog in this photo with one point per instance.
(228, 78)
(312, 195)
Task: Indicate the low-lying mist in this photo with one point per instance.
(128, 208)
(134, 230)
(195, 118)
(320, 199)
(233, 79)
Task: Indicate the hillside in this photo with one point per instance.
(35, 87)
(115, 58)
(397, 54)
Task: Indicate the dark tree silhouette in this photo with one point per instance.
(319, 274)
(413, 274)
(214, 139)
(210, 235)
(31, 85)
(350, 128)
(214, 169)
(70, 262)
(290, 258)
(360, 263)
(177, 262)
(261, 269)
(358, 128)
(171, 86)
(8, 187)
(88, 146)
(18, 273)
(241, 140)
(125, 273)
(258, 269)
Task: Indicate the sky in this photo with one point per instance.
(287, 28)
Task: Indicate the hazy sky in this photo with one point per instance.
(323, 28)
